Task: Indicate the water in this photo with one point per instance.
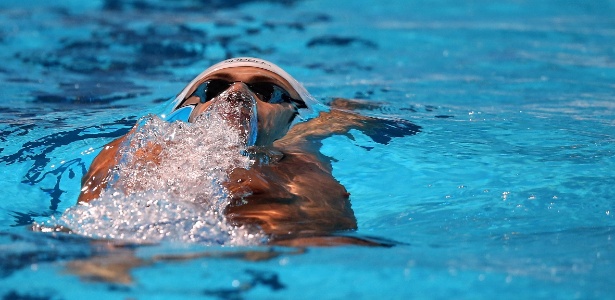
(153, 201)
(505, 192)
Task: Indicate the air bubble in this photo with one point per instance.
(169, 185)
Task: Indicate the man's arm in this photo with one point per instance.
(98, 175)
(340, 120)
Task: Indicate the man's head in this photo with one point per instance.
(253, 92)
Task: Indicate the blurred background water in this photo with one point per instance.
(506, 191)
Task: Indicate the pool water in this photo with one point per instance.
(504, 193)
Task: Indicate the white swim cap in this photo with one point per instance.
(250, 62)
(172, 113)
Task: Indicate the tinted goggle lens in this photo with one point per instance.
(266, 91)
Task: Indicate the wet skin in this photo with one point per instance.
(289, 192)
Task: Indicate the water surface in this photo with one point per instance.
(505, 192)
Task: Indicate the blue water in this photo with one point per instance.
(505, 193)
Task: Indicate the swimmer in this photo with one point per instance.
(289, 192)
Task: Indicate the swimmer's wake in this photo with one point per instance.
(168, 185)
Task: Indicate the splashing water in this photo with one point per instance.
(168, 185)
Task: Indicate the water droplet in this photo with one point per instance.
(284, 261)
(235, 283)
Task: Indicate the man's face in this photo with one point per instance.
(243, 88)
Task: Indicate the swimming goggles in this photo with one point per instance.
(180, 108)
(266, 91)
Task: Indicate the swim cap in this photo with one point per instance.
(249, 62)
(172, 113)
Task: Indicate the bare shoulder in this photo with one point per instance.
(97, 177)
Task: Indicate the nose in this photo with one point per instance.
(237, 94)
(241, 88)
(237, 105)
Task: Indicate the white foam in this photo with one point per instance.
(178, 198)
